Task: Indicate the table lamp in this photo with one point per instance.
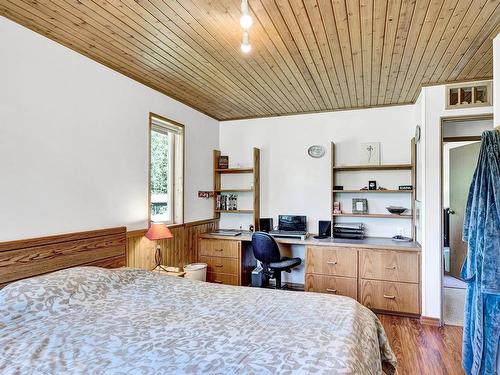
(158, 231)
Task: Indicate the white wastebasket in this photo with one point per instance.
(196, 271)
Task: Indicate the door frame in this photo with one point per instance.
(443, 119)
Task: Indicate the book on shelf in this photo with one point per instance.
(227, 202)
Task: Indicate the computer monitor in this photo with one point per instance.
(292, 223)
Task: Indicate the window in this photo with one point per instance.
(468, 95)
(166, 169)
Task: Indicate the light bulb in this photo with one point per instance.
(245, 43)
(246, 47)
(246, 21)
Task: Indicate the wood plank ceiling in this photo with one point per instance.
(307, 55)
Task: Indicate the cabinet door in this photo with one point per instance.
(344, 286)
(389, 265)
(222, 278)
(220, 264)
(335, 261)
(220, 248)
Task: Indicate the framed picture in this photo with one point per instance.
(369, 153)
(372, 185)
(359, 206)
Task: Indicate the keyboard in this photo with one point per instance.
(289, 234)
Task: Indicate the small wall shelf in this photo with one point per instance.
(372, 191)
(218, 189)
(235, 211)
(386, 167)
(381, 216)
(234, 170)
(234, 191)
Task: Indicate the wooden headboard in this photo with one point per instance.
(32, 257)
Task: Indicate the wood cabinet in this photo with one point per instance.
(343, 286)
(332, 269)
(229, 262)
(388, 265)
(389, 296)
(384, 280)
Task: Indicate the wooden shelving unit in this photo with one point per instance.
(385, 167)
(218, 189)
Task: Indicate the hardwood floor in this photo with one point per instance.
(422, 349)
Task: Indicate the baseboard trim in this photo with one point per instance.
(435, 322)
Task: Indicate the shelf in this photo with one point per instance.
(380, 216)
(235, 211)
(234, 170)
(386, 167)
(234, 191)
(373, 191)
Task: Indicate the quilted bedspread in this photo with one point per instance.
(89, 320)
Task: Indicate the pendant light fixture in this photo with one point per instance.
(245, 22)
(245, 43)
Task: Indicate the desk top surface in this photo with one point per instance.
(367, 243)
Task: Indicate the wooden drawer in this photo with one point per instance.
(220, 248)
(220, 264)
(344, 286)
(335, 261)
(222, 278)
(389, 296)
(389, 265)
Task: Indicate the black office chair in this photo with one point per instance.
(266, 251)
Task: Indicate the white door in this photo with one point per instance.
(463, 161)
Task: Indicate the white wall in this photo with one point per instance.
(429, 156)
(73, 141)
(496, 79)
(294, 183)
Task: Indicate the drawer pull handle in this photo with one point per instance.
(390, 268)
(389, 297)
(332, 262)
(219, 265)
(218, 249)
(331, 290)
(217, 281)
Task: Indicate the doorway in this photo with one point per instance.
(461, 142)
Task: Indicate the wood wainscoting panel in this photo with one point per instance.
(178, 251)
(32, 257)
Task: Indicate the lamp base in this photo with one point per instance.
(159, 260)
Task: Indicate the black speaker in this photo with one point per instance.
(266, 224)
(324, 228)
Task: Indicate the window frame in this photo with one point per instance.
(175, 187)
(472, 86)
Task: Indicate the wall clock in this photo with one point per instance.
(418, 132)
(316, 151)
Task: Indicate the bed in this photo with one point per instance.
(90, 320)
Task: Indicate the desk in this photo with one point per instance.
(367, 243)
(378, 272)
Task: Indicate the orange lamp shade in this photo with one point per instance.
(158, 231)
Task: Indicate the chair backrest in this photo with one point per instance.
(265, 248)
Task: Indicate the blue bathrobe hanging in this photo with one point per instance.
(481, 268)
